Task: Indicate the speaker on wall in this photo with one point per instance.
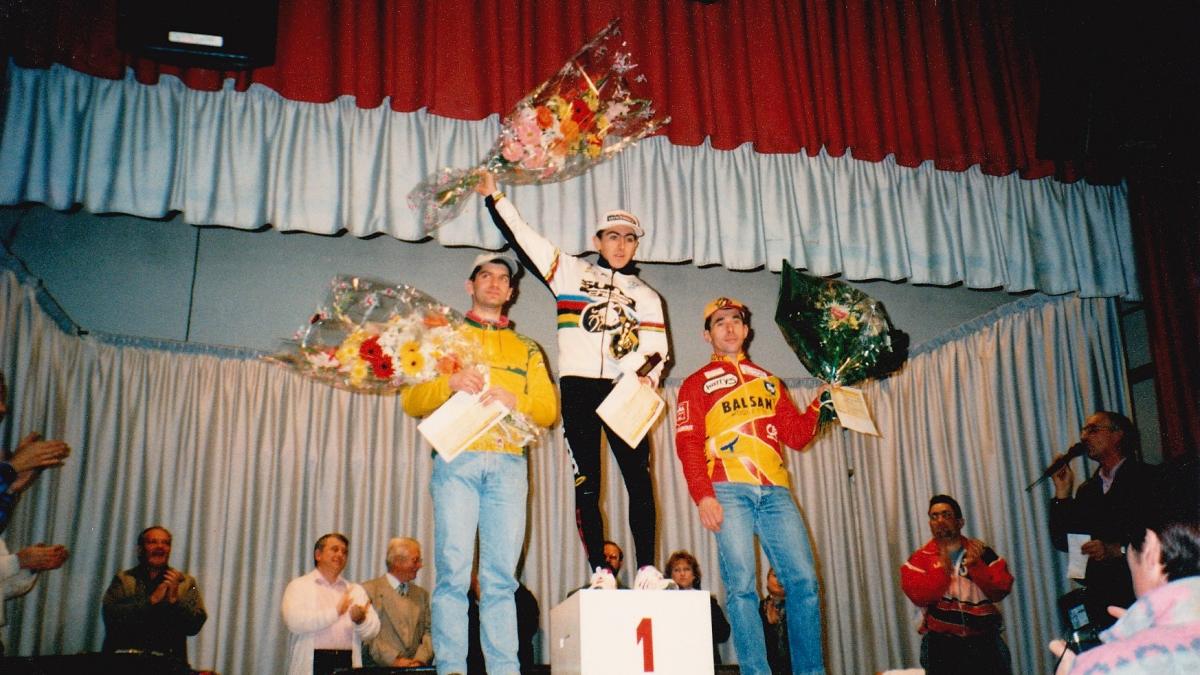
(221, 34)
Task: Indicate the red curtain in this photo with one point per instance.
(952, 82)
(1164, 204)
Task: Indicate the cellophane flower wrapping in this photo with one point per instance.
(583, 115)
(841, 335)
(373, 337)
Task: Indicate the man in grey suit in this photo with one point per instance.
(404, 638)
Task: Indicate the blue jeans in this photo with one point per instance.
(484, 491)
(771, 513)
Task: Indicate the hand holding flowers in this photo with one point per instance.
(840, 334)
(584, 114)
(377, 338)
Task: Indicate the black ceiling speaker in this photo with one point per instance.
(221, 34)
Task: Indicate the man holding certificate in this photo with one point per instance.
(610, 326)
(731, 424)
(484, 487)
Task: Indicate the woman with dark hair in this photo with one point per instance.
(685, 572)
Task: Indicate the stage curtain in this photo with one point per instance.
(249, 159)
(915, 80)
(1165, 211)
(247, 464)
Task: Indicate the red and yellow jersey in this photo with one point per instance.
(731, 422)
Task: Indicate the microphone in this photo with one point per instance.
(1077, 450)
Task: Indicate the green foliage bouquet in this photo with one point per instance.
(840, 334)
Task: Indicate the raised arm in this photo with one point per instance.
(537, 253)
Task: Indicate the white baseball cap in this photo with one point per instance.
(616, 218)
(486, 257)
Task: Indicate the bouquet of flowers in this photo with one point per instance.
(376, 338)
(840, 334)
(581, 116)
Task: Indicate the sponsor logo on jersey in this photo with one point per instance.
(726, 381)
(756, 372)
(747, 402)
(683, 413)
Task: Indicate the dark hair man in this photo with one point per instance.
(152, 606)
(957, 582)
(609, 323)
(482, 491)
(731, 424)
(328, 617)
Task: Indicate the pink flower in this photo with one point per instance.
(512, 150)
(535, 159)
(528, 132)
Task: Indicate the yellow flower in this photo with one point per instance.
(560, 106)
(348, 350)
(412, 361)
(358, 372)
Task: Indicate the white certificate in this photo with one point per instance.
(852, 410)
(631, 409)
(458, 422)
(1076, 559)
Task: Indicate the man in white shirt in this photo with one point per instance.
(328, 617)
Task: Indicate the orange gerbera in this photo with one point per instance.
(448, 365)
(570, 131)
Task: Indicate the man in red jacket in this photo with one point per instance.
(958, 581)
(731, 424)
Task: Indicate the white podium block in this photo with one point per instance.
(631, 632)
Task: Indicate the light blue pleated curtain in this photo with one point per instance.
(245, 159)
(247, 463)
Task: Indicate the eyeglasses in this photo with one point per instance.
(942, 515)
(1093, 428)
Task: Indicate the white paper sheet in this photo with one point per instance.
(852, 410)
(630, 409)
(458, 422)
(1076, 560)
